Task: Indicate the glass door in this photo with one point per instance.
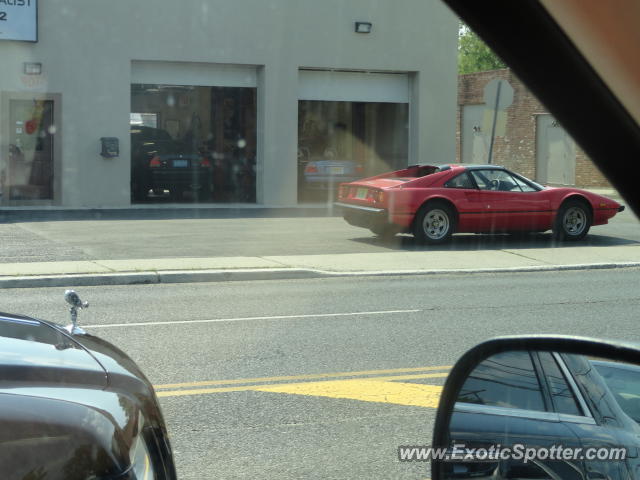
(26, 169)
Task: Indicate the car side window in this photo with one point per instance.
(525, 187)
(561, 394)
(495, 180)
(505, 380)
(461, 181)
(625, 386)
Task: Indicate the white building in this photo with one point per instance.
(250, 90)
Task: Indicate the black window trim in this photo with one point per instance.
(573, 385)
(547, 386)
(545, 389)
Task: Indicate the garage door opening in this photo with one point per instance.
(193, 144)
(343, 141)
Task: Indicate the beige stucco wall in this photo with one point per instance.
(87, 48)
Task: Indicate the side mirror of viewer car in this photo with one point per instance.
(540, 407)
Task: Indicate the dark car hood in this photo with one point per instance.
(35, 353)
(69, 404)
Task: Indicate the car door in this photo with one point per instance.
(468, 201)
(611, 427)
(508, 203)
(505, 402)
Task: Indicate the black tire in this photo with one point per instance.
(434, 223)
(572, 221)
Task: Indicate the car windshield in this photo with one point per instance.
(294, 217)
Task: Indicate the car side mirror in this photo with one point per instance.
(540, 407)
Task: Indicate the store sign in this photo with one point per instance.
(19, 20)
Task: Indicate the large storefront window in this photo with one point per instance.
(193, 143)
(343, 141)
(26, 172)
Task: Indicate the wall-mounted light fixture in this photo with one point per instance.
(32, 68)
(363, 27)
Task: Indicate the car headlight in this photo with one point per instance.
(141, 460)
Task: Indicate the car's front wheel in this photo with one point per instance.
(573, 221)
(434, 223)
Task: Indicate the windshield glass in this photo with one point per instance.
(295, 217)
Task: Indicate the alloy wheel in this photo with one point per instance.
(436, 224)
(574, 221)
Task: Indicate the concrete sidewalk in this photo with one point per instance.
(255, 245)
(180, 270)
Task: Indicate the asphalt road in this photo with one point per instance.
(362, 359)
(223, 237)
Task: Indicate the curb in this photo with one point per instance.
(201, 276)
(162, 212)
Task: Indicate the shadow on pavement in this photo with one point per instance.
(467, 242)
(168, 213)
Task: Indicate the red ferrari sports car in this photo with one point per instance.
(435, 202)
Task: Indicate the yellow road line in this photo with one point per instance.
(202, 391)
(411, 394)
(245, 388)
(409, 377)
(313, 376)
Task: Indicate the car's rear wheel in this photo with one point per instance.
(434, 223)
(573, 221)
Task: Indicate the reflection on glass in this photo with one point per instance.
(561, 395)
(193, 143)
(624, 382)
(504, 380)
(344, 141)
(27, 172)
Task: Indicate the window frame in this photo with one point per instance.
(551, 414)
(574, 387)
(548, 388)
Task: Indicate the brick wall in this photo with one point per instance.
(517, 149)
